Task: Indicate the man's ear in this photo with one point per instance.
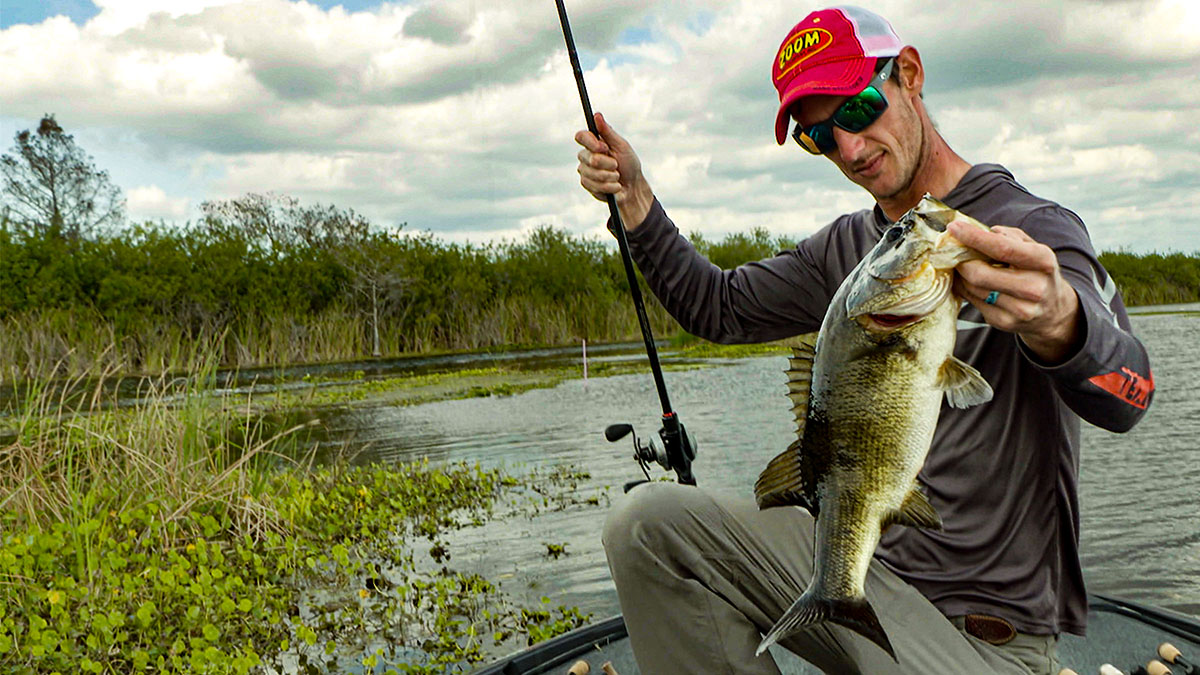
(912, 72)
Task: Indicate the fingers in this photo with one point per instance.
(598, 174)
(1032, 298)
(1008, 245)
(1007, 312)
(606, 140)
(608, 165)
(597, 160)
(609, 135)
(982, 278)
(590, 141)
(600, 169)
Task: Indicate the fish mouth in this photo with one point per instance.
(893, 321)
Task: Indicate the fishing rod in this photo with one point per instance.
(678, 451)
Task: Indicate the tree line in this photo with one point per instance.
(264, 279)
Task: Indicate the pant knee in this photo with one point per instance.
(649, 514)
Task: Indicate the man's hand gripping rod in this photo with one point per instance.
(678, 450)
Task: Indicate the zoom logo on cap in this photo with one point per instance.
(802, 46)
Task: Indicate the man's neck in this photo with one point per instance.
(939, 170)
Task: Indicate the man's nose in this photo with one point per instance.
(849, 145)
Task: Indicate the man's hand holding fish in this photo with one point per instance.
(1033, 301)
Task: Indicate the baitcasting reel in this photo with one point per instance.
(674, 450)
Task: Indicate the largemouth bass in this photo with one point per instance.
(866, 392)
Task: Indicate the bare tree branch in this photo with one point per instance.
(51, 185)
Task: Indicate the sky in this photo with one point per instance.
(457, 117)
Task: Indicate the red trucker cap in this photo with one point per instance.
(831, 51)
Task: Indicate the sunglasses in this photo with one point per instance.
(857, 113)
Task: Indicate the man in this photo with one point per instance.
(700, 578)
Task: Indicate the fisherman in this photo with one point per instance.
(701, 577)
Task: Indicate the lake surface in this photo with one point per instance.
(1139, 490)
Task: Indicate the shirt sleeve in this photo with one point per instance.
(759, 301)
(1108, 382)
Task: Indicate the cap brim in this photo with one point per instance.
(840, 78)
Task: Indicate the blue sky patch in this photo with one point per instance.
(79, 11)
(350, 6)
(13, 12)
(700, 22)
(636, 36)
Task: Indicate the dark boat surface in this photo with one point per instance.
(1122, 633)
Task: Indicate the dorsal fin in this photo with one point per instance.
(799, 372)
(788, 479)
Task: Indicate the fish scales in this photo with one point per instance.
(874, 377)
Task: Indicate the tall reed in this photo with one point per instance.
(68, 454)
(51, 342)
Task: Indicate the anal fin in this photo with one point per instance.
(915, 511)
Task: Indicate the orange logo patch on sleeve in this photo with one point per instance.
(1127, 386)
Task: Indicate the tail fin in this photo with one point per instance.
(809, 610)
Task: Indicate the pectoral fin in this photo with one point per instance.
(963, 384)
(915, 511)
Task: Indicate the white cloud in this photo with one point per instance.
(457, 115)
(150, 202)
(117, 16)
(1165, 29)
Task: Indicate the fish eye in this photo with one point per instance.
(895, 233)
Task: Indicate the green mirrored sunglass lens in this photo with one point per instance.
(860, 111)
(855, 114)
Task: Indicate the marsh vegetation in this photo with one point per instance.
(185, 535)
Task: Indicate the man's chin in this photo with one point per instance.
(887, 187)
(880, 188)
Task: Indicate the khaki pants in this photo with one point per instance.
(701, 577)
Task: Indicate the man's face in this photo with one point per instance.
(883, 158)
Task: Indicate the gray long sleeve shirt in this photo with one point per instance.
(1003, 475)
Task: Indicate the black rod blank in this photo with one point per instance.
(678, 445)
(619, 227)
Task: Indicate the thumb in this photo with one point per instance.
(609, 135)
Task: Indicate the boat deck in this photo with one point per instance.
(1122, 633)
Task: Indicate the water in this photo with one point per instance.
(1138, 491)
(136, 389)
